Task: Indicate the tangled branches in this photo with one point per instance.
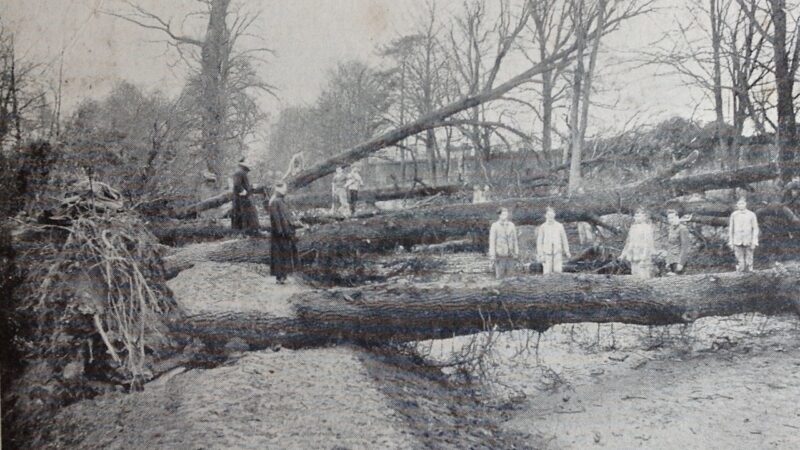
(103, 287)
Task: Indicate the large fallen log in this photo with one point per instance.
(685, 185)
(725, 179)
(405, 312)
(323, 199)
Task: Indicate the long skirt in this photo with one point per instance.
(244, 215)
(283, 256)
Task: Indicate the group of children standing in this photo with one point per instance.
(552, 245)
(344, 190)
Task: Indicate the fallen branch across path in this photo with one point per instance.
(400, 313)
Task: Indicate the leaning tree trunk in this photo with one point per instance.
(400, 313)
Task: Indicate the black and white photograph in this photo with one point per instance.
(411, 224)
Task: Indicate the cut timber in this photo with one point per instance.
(400, 313)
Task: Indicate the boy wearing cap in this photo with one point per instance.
(743, 235)
(640, 246)
(503, 245)
(551, 244)
(677, 244)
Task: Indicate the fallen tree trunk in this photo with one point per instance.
(401, 313)
(323, 200)
(724, 180)
(681, 186)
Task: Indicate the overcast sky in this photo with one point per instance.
(309, 38)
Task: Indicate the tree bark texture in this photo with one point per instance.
(213, 80)
(401, 313)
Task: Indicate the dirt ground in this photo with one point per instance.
(719, 383)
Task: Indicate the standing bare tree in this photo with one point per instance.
(582, 82)
(549, 30)
(24, 113)
(478, 44)
(786, 60)
(443, 116)
(742, 46)
(719, 51)
(224, 72)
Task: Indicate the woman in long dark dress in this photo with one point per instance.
(283, 247)
(243, 215)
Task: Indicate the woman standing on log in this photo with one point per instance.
(243, 214)
(283, 248)
(640, 246)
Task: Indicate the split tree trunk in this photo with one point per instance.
(401, 313)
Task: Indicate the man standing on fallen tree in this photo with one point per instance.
(503, 245)
(551, 244)
(243, 213)
(283, 248)
(743, 235)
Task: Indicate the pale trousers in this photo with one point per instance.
(344, 203)
(503, 266)
(552, 264)
(642, 269)
(744, 258)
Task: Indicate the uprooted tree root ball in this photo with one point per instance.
(92, 309)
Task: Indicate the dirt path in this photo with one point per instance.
(320, 398)
(720, 383)
(220, 287)
(338, 397)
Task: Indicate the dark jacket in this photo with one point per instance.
(243, 215)
(678, 244)
(283, 249)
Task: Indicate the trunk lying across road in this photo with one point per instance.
(405, 312)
